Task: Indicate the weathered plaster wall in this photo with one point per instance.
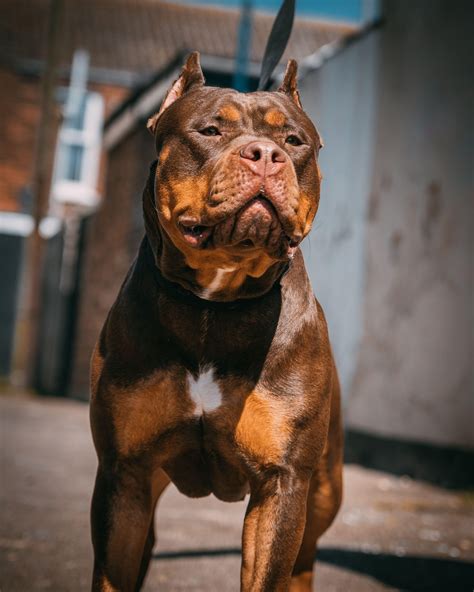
(415, 365)
(340, 100)
(390, 255)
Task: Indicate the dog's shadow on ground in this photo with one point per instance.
(408, 573)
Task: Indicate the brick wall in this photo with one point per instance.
(19, 106)
(112, 240)
(20, 99)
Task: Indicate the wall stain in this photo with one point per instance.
(373, 208)
(433, 207)
(395, 242)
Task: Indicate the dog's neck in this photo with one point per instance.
(225, 285)
(218, 284)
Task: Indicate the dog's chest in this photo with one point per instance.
(204, 390)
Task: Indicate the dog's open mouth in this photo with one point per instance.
(195, 234)
(254, 225)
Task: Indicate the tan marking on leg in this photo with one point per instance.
(159, 484)
(278, 509)
(324, 497)
(144, 410)
(262, 430)
(249, 536)
(130, 513)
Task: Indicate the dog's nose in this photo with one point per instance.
(263, 157)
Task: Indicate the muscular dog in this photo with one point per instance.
(214, 369)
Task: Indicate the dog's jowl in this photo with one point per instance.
(214, 370)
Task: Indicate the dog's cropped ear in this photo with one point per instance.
(190, 77)
(289, 86)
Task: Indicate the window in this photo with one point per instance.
(77, 158)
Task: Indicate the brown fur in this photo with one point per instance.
(237, 301)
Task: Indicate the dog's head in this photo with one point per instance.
(237, 177)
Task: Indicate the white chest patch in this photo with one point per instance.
(204, 391)
(217, 282)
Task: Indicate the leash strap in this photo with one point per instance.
(277, 42)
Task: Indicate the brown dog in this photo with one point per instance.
(214, 369)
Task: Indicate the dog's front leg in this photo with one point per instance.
(273, 530)
(121, 514)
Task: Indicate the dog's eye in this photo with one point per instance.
(210, 131)
(293, 140)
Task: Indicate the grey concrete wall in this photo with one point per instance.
(414, 375)
(340, 99)
(390, 256)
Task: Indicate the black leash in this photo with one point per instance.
(277, 42)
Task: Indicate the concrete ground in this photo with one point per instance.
(391, 534)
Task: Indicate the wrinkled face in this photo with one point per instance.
(237, 175)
